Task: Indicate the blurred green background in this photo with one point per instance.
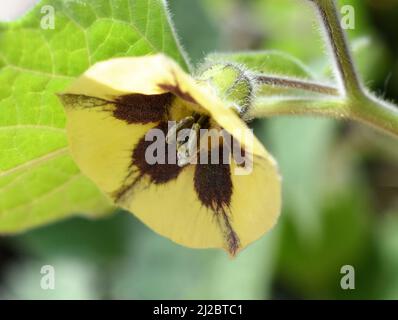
(340, 187)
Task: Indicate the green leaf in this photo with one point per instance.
(39, 181)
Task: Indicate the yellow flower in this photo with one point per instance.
(110, 110)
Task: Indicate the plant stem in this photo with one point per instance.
(352, 101)
(267, 107)
(369, 110)
(347, 75)
(376, 113)
(296, 84)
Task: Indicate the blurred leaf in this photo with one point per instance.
(100, 241)
(39, 181)
(269, 62)
(91, 248)
(314, 270)
(198, 31)
(387, 246)
(289, 26)
(74, 279)
(249, 276)
(301, 149)
(371, 59)
(159, 269)
(310, 266)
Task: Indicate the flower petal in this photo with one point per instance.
(100, 143)
(175, 210)
(157, 74)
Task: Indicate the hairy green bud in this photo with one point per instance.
(232, 83)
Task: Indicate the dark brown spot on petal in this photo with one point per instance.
(132, 108)
(141, 108)
(176, 90)
(232, 239)
(157, 173)
(213, 185)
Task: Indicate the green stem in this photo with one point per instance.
(376, 113)
(368, 110)
(336, 37)
(299, 84)
(267, 107)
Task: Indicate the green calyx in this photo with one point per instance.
(232, 83)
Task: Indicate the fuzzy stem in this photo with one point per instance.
(370, 110)
(336, 38)
(282, 106)
(376, 113)
(296, 84)
(354, 103)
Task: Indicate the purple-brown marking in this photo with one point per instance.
(157, 173)
(140, 108)
(213, 185)
(176, 90)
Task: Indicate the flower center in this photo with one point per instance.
(185, 133)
